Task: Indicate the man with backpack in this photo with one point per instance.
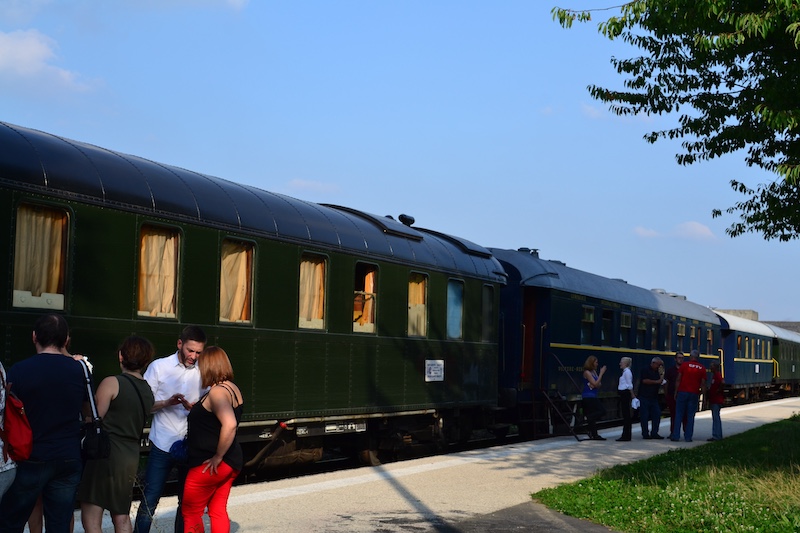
(52, 387)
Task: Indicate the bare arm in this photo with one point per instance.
(107, 391)
(221, 406)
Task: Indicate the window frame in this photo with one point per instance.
(177, 234)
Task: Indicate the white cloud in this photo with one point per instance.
(685, 230)
(693, 230)
(25, 62)
(645, 232)
(20, 11)
(593, 111)
(312, 186)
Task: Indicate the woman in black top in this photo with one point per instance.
(215, 456)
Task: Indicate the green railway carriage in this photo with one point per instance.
(352, 330)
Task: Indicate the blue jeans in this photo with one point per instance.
(159, 466)
(685, 405)
(716, 421)
(57, 481)
(649, 410)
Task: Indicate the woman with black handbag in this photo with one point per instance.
(123, 403)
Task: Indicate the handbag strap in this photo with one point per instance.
(139, 394)
(89, 389)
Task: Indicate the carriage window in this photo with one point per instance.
(681, 337)
(587, 325)
(455, 309)
(312, 292)
(236, 282)
(364, 298)
(655, 327)
(417, 305)
(624, 329)
(608, 324)
(710, 340)
(641, 331)
(158, 272)
(738, 346)
(488, 313)
(668, 337)
(40, 250)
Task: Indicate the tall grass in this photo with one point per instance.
(747, 482)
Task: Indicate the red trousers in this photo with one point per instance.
(203, 490)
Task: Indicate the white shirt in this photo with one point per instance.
(626, 380)
(168, 376)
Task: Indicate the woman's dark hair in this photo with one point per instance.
(137, 352)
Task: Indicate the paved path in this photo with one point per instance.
(475, 491)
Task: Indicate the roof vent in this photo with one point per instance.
(659, 291)
(406, 220)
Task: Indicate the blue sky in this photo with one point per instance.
(471, 116)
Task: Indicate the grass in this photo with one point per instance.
(747, 482)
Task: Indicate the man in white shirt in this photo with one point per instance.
(176, 384)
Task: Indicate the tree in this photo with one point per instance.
(730, 70)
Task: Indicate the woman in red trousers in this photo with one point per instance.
(215, 456)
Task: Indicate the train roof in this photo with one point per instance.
(536, 272)
(55, 166)
(737, 323)
(786, 335)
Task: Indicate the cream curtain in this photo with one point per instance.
(158, 268)
(417, 312)
(235, 281)
(39, 250)
(312, 292)
(368, 311)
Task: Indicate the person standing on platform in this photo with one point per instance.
(716, 399)
(691, 382)
(8, 468)
(626, 394)
(650, 381)
(176, 385)
(123, 404)
(52, 387)
(669, 395)
(215, 456)
(593, 409)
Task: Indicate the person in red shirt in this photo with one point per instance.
(715, 399)
(671, 375)
(689, 384)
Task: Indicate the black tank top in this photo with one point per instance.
(203, 435)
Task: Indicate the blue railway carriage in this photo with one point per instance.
(747, 364)
(786, 357)
(347, 331)
(554, 317)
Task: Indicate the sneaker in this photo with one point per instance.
(674, 440)
(658, 437)
(645, 437)
(597, 437)
(623, 440)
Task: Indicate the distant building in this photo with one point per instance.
(753, 315)
(741, 313)
(791, 326)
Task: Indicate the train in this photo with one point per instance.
(350, 333)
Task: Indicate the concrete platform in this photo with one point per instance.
(480, 490)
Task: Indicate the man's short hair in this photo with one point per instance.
(51, 330)
(193, 333)
(657, 360)
(695, 354)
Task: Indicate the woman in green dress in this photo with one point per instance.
(123, 402)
